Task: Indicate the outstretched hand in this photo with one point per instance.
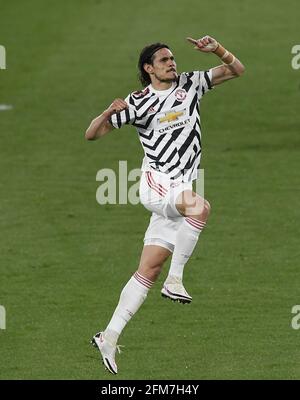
(206, 44)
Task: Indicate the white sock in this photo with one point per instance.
(186, 240)
(132, 297)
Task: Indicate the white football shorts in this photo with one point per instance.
(158, 194)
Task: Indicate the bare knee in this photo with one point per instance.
(190, 204)
(150, 270)
(152, 260)
(202, 210)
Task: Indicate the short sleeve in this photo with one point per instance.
(205, 78)
(124, 117)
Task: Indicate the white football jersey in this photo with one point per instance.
(168, 124)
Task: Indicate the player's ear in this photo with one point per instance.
(148, 68)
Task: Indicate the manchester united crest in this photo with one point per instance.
(180, 94)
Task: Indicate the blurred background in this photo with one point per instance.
(64, 258)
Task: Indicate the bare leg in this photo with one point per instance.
(151, 262)
(190, 204)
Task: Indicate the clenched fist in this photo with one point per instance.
(116, 106)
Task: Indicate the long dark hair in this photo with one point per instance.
(146, 57)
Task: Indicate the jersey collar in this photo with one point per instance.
(160, 93)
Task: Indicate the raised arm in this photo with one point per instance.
(231, 67)
(100, 125)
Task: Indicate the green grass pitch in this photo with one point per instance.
(64, 258)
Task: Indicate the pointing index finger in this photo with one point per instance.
(191, 40)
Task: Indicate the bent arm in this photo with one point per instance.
(225, 72)
(100, 126)
(231, 67)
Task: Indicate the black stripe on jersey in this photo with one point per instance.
(174, 165)
(193, 104)
(207, 79)
(139, 126)
(174, 152)
(176, 103)
(198, 123)
(189, 82)
(149, 137)
(148, 122)
(154, 146)
(188, 141)
(119, 122)
(157, 164)
(174, 136)
(191, 165)
(151, 105)
(162, 163)
(187, 167)
(191, 160)
(131, 101)
(142, 103)
(127, 116)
